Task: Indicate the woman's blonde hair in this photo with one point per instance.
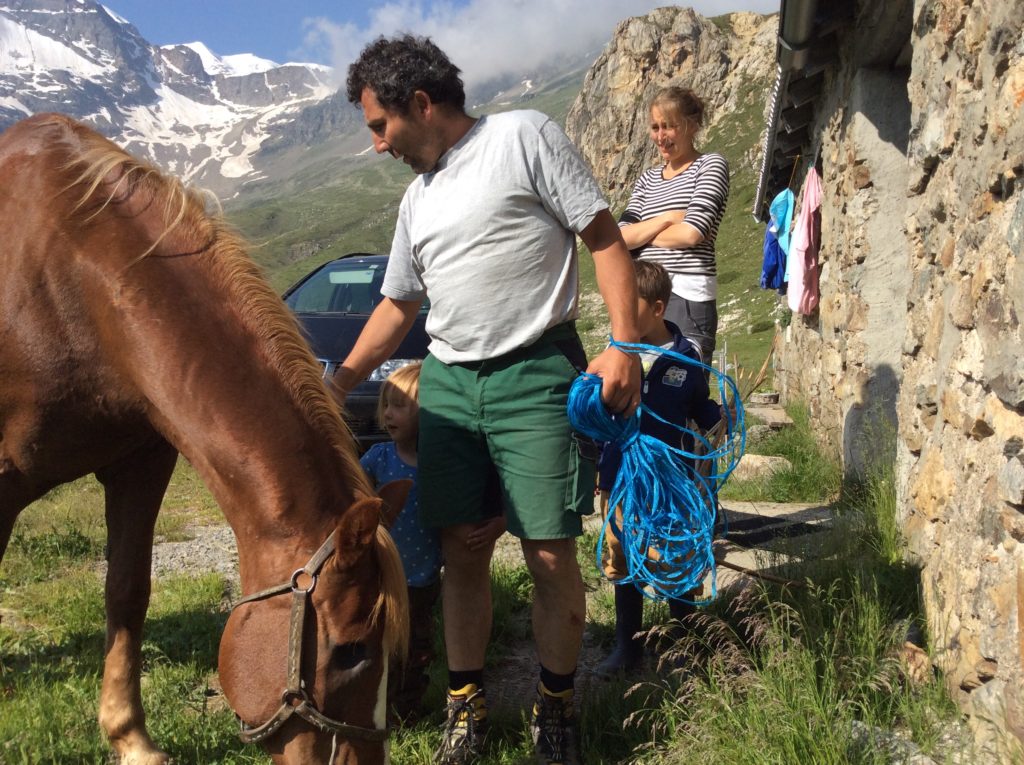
(404, 381)
(682, 103)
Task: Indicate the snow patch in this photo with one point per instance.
(237, 65)
(24, 50)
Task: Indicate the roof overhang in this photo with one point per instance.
(804, 47)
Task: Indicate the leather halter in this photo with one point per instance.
(294, 700)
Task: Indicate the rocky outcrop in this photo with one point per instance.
(723, 62)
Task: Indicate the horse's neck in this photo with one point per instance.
(278, 477)
(281, 498)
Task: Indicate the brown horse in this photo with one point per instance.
(133, 326)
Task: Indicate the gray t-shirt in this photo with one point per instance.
(489, 236)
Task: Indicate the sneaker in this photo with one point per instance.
(553, 727)
(465, 728)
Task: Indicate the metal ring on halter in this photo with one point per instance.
(295, 581)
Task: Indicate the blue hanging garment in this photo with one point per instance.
(776, 242)
(773, 267)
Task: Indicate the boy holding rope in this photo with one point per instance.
(677, 393)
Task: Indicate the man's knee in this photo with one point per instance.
(551, 560)
(457, 552)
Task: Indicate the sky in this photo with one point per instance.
(484, 38)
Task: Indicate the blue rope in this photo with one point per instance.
(668, 507)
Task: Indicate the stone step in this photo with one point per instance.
(764, 398)
(764, 537)
(774, 417)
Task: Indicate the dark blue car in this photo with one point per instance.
(333, 303)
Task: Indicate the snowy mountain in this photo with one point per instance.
(194, 113)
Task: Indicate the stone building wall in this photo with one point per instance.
(918, 330)
(844, 359)
(961, 408)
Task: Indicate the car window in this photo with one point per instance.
(340, 288)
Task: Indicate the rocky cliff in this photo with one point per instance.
(728, 61)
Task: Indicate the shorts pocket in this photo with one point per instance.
(582, 478)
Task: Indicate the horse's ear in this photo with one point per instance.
(394, 495)
(357, 529)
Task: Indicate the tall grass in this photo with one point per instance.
(789, 674)
(772, 675)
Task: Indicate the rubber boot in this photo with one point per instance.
(629, 617)
(680, 610)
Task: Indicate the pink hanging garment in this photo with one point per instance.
(803, 249)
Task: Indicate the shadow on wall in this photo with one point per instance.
(870, 426)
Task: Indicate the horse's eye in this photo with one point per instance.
(348, 655)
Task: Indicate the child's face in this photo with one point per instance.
(401, 417)
(650, 317)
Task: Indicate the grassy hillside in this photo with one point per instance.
(334, 205)
(295, 232)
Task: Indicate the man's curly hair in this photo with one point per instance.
(396, 68)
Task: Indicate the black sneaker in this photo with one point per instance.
(553, 727)
(465, 729)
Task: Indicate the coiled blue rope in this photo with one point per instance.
(668, 495)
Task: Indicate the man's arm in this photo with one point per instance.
(616, 279)
(384, 331)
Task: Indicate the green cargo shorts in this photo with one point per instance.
(495, 437)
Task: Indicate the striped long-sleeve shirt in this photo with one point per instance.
(702, 190)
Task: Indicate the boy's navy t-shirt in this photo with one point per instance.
(677, 392)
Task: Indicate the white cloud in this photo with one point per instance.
(490, 38)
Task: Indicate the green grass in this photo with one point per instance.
(779, 676)
(814, 475)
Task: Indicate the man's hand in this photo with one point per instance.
(339, 385)
(620, 380)
(486, 533)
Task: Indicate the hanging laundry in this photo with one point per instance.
(803, 251)
(776, 242)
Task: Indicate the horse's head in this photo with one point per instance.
(305, 665)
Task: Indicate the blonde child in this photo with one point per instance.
(418, 545)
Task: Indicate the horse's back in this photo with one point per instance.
(55, 390)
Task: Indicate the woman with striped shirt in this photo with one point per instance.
(674, 213)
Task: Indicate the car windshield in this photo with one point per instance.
(340, 288)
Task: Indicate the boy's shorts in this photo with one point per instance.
(495, 437)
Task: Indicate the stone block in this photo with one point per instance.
(1007, 423)
(961, 307)
(933, 487)
(758, 466)
(1011, 481)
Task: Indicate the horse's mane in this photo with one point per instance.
(394, 597)
(94, 161)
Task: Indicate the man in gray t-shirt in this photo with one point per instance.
(487, 231)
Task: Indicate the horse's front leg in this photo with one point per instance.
(134, 488)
